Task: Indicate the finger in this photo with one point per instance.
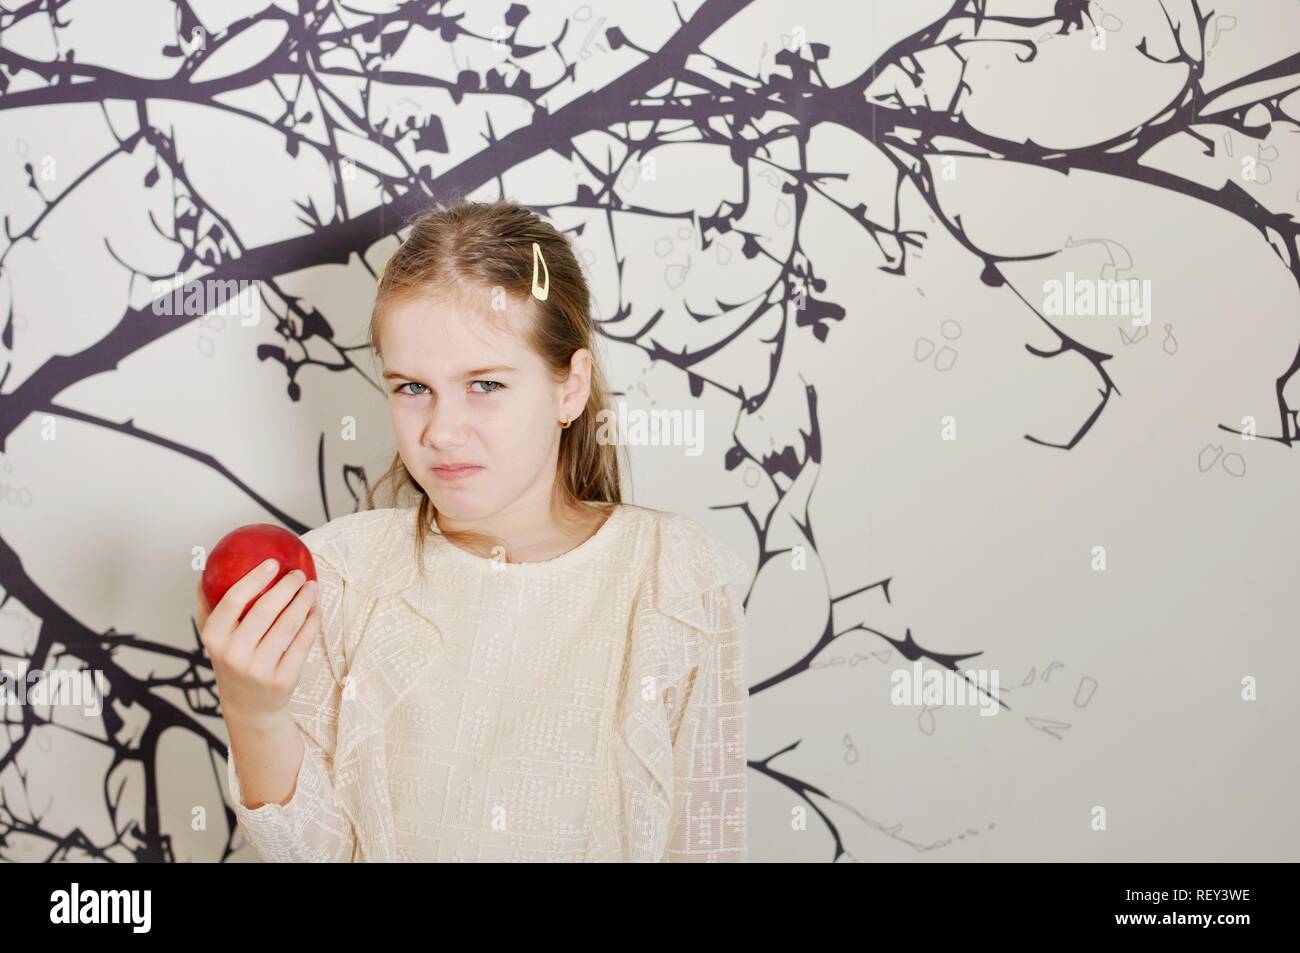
(225, 615)
(263, 614)
(203, 610)
(295, 656)
(267, 652)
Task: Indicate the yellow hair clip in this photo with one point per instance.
(540, 291)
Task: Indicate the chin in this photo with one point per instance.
(458, 507)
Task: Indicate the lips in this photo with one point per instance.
(457, 471)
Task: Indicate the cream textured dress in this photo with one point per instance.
(590, 707)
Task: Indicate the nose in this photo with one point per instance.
(446, 425)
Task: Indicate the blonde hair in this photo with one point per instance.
(482, 247)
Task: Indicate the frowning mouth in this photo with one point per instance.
(458, 472)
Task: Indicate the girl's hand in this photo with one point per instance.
(258, 661)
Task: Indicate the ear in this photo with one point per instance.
(576, 388)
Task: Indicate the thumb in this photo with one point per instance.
(201, 600)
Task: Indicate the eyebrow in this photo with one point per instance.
(477, 372)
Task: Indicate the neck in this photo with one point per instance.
(527, 534)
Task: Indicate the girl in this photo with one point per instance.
(517, 665)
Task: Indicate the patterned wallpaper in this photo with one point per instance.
(976, 325)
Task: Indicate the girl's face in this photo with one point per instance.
(463, 391)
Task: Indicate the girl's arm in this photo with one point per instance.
(308, 823)
(280, 767)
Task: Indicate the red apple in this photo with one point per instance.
(243, 549)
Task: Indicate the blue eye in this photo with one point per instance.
(495, 386)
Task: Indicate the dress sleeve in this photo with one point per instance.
(702, 586)
(312, 826)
